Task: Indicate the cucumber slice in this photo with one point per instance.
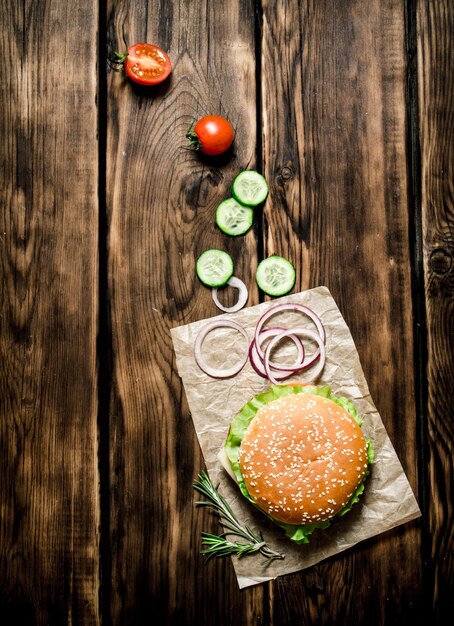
(234, 218)
(275, 275)
(250, 188)
(214, 267)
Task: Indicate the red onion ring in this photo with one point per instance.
(212, 371)
(272, 332)
(243, 295)
(299, 330)
(290, 306)
(257, 362)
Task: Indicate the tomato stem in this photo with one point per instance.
(194, 141)
(117, 60)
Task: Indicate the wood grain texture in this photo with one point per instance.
(161, 202)
(49, 513)
(334, 153)
(436, 113)
(354, 134)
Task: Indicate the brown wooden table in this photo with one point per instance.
(347, 107)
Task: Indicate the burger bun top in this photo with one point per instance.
(302, 458)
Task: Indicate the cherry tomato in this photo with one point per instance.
(212, 135)
(145, 63)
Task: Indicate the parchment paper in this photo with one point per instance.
(388, 499)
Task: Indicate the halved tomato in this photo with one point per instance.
(145, 63)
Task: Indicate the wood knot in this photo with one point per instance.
(287, 173)
(440, 261)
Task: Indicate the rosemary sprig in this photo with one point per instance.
(219, 545)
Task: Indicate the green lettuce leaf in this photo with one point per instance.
(298, 533)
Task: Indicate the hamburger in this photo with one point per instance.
(299, 455)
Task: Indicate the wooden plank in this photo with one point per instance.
(334, 153)
(436, 114)
(161, 201)
(48, 253)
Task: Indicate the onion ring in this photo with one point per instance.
(290, 306)
(284, 372)
(272, 332)
(212, 371)
(243, 295)
(299, 330)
